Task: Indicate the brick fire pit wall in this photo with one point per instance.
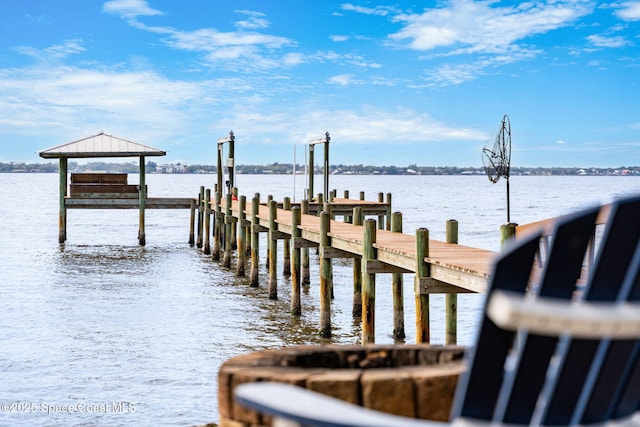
(411, 380)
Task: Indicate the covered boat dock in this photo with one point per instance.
(107, 190)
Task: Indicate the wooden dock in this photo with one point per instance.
(454, 268)
(438, 267)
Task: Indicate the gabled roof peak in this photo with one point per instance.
(100, 145)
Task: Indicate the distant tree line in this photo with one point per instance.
(287, 168)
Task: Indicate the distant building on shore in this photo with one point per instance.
(172, 168)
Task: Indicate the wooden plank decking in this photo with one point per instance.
(464, 267)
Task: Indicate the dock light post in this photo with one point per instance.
(312, 143)
(230, 164)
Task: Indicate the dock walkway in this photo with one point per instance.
(459, 268)
(438, 267)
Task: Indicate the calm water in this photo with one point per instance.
(100, 331)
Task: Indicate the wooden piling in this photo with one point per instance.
(200, 216)
(142, 202)
(507, 233)
(207, 222)
(192, 222)
(218, 222)
(234, 230)
(304, 269)
(396, 286)
(326, 275)
(242, 237)
(273, 250)
(451, 300)
(62, 214)
(347, 218)
(228, 238)
(255, 241)
(423, 271)
(296, 233)
(356, 310)
(268, 258)
(388, 221)
(286, 263)
(368, 283)
(381, 218)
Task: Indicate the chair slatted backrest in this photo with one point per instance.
(544, 376)
(520, 378)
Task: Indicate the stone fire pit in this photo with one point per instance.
(411, 380)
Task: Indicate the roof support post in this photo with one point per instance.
(62, 217)
(142, 194)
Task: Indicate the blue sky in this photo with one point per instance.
(394, 83)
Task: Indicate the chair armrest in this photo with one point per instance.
(309, 408)
(555, 317)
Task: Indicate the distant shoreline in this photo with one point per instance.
(287, 169)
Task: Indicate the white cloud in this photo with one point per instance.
(378, 10)
(129, 9)
(472, 27)
(236, 50)
(342, 79)
(293, 58)
(365, 125)
(58, 51)
(72, 100)
(629, 11)
(375, 125)
(605, 41)
(210, 39)
(337, 38)
(255, 21)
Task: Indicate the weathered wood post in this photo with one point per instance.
(368, 283)
(62, 213)
(207, 222)
(304, 270)
(234, 230)
(218, 227)
(311, 172)
(200, 216)
(255, 241)
(242, 236)
(507, 232)
(327, 208)
(192, 221)
(356, 310)
(228, 227)
(273, 250)
(296, 234)
(268, 258)
(326, 275)
(142, 201)
(388, 222)
(286, 263)
(347, 218)
(423, 271)
(451, 300)
(396, 285)
(381, 217)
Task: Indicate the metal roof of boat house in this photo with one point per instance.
(100, 145)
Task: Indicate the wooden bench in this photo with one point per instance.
(102, 185)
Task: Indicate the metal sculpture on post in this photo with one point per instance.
(496, 157)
